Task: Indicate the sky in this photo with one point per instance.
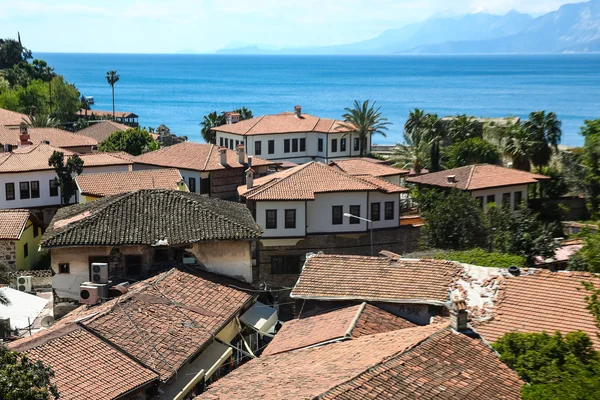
(168, 26)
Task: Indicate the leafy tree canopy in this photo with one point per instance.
(471, 151)
(23, 379)
(66, 173)
(365, 119)
(12, 52)
(134, 141)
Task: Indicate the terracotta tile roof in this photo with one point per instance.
(107, 184)
(147, 216)
(475, 177)
(56, 137)
(345, 323)
(195, 157)
(85, 366)
(12, 223)
(11, 118)
(341, 277)
(99, 113)
(163, 321)
(286, 122)
(540, 300)
(309, 373)
(386, 186)
(100, 131)
(448, 365)
(304, 181)
(35, 158)
(367, 166)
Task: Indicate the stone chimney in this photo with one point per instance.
(451, 179)
(23, 135)
(458, 315)
(249, 178)
(249, 161)
(235, 117)
(298, 111)
(227, 116)
(223, 156)
(241, 151)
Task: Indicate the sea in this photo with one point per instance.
(178, 90)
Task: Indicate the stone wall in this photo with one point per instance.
(224, 183)
(404, 239)
(8, 255)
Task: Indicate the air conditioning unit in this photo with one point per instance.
(91, 293)
(24, 283)
(99, 272)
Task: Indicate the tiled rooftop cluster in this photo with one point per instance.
(110, 183)
(11, 118)
(56, 137)
(148, 216)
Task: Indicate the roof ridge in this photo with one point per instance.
(256, 123)
(470, 177)
(212, 146)
(276, 181)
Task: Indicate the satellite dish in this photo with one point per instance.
(47, 321)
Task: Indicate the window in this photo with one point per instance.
(133, 265)
(221, 142)
(36, 231)
(161, 255)
(506, 200)
(337, 215)
(25, 250)
(231, 144)
(480, 200)
(281, 265)
(226, 142)
(290, 219)
(491, 198)
(375, 211)
(343, 144)
(35, 189)
(10, 191)
(205, 186)
(64, 269)
(271, 146)
(389, 210)
(237, 143)
(258, 148)
(271, 219)
(354, 210)
(53, 188)
(302, 144)
(356, 144)
(518, 199)
(192, 185)
(334, 145)
(294, 145)
(286, 145)
(320, 146)
(24, 190)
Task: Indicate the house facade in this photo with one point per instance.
(20, 234)
(486, 183)
(156, 229)
(122, 117)
(207, 169)
(292, 137)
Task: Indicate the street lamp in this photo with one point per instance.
(348, 215)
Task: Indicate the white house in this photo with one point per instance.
(292, 137)
(487, 183)
(27, 181)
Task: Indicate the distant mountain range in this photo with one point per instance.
(571, 28)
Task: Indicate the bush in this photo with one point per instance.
(483, 258)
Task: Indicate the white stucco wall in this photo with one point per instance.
(319, 212)
(233, 259)
(382, 198)
(281, 206)
(498, 192)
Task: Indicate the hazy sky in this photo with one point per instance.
(166, 26)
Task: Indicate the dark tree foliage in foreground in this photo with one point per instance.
(23, 379)
(66, 173)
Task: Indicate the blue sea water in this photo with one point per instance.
(177, 90)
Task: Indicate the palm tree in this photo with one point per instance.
(414, 121)
(412, 153)
(545, 130)
(209, 122)
(366, 120)
(112, 78)
(463, 127)
(41, 120)
(434, 133)
(244, 113)
(518, 145)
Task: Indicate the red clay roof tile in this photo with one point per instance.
(367, 166)
(107, 184)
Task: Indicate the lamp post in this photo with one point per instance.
(348, 215)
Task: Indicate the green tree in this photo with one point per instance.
(463, 127)
(556, 366)
(244, 113)
(66, 173)
(65, 103)
(471, 151)
(40, 120)
(428, 132)
(112, 78)
(517, 144)
(412, 153)
(588, 258)
(545, 132)
(366, 120)
(12, 52)
(209, 122)
(435, 133)
(590, 160)
(23, 379)
(134, 141)
(454, 220)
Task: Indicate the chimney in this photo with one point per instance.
(235, 117)
(23, 135)
(227, 117)
(223, 156)
(451, 179)
(249, 178)
(241, 154)
(458, 315)
(298, 111)
(249, 161)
